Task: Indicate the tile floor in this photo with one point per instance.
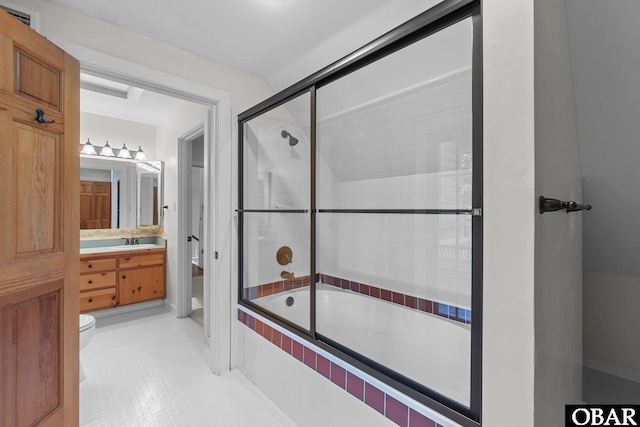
(601, 388)
(149, 368)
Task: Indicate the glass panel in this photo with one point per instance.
(276, 157)
(396, 288)
(277, 278)
(397, 133)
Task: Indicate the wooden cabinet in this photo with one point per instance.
(97, 283)
(95, 205)
(141, 284)
(120, 278)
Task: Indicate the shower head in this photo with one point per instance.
(292, 139)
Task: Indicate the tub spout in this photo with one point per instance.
(288, 276)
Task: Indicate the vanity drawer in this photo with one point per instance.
(95, 300)
(141, 260)
(97, 280)
(101, 264)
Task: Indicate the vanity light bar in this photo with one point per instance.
(107, 151)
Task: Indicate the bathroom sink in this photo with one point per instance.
(134, 247)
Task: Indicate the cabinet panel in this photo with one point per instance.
(96, 300)
(101, 264)
(97, 280)
(141, 284)
(141, 260)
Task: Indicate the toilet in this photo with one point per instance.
(87, 329)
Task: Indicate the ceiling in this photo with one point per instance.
(266, 38)
(282, 41)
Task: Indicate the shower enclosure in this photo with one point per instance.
(365, 180)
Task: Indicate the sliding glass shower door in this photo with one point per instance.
(360, 209)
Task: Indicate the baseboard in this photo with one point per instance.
(126, 309)
(612, 369)
(171, 307)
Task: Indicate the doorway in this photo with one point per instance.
(218, 130)
(195, 214)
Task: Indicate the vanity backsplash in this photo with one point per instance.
(114, 233)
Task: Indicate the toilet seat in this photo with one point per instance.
(86, 322)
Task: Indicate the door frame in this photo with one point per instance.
(218, 182)
(183, 306)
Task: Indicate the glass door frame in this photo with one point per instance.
(433, 20)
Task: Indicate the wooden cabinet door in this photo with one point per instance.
(87, 219)
(95, 205)
(102, 203)
(141, 284)
(39, 244)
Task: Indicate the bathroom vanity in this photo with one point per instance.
(113, 276)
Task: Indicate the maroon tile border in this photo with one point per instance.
(447, 311)
(276, 287)
(385, 404)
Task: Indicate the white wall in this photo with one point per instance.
(611, 312)
(532, 283)
(100, 129)
(558, 240)
(605, 58)
(95, 175)
(509, 214)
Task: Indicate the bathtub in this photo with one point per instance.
(429, 349)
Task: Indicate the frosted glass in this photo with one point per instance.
(264, 278)
(399, 131)
(276, 156)
(397, 289)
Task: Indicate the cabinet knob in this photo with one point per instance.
(124, 277)
(90, 266)
(90, 281)
(90, 299)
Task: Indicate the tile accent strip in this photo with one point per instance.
(451, 312)
(447, 311)
(275, 287)
(396, 411)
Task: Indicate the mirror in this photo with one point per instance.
(149, 205)
(119, 194)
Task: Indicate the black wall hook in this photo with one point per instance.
(40, 118)
(551, 205)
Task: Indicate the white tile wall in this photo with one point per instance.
(148, 368)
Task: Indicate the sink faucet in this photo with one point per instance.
(134, 240)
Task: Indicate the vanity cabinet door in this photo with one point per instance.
(90, 282)
(141, 284)
(97, 300)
